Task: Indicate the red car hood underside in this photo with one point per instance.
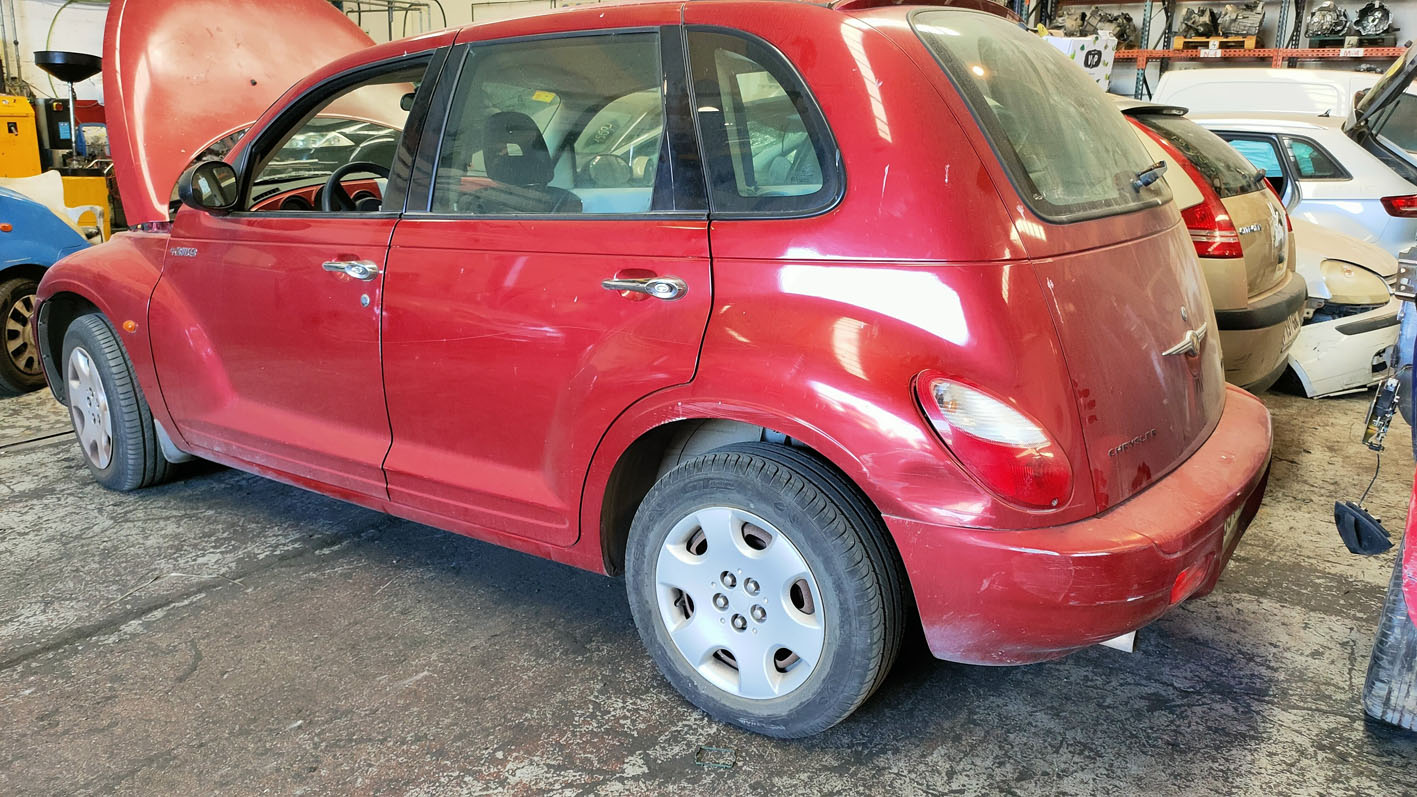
(178, 76)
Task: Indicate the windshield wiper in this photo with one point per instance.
(1149, 175)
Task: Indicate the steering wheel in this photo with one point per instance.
(334, 198)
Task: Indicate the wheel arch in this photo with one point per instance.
(658, 447)
(55, 315)
(1302, 375)
(32, 271)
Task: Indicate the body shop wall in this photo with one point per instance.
(79, 29)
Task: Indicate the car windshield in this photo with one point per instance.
(1067, 148)
(1225, 169)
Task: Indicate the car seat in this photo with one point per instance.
(518, 161)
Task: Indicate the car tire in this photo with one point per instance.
(106, 405)
(783, 552)
(1390, 691)
(20, 368)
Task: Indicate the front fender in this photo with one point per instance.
(118, 278)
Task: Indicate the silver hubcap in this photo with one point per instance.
(19, 336)
(88, 406)
(739, 603)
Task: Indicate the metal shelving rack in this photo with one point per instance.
(1276, 56)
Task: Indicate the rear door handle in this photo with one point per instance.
(666, 288)
(359, 269)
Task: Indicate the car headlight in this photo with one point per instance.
(1349, 283)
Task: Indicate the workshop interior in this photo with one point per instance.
(689, 396)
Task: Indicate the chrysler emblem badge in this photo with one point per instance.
(1190, 343)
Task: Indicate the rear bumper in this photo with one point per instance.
(1014, 597)
(1269, 311)
(1255, 341)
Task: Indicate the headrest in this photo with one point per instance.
(514, 151)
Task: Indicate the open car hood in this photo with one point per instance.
(179, 76)
(1385, 92)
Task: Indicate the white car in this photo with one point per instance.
(1324, 176)
(1351, 324)
(1313, 92)
(1340, 172)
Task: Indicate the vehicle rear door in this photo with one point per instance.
(552, 269)
(265, 323)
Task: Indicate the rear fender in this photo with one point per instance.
(827, 355)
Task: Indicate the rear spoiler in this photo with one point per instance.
(974, 5)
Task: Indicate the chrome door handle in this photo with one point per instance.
(359, 269)
(666, 288)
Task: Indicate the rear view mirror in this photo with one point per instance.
(209, 186)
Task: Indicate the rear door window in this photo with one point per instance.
(1260, 152)
(1067, 148)
(766, 145)
(1264, 153)
(1226, 170)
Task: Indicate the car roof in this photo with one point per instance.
(1224, 73)
(1272, 120)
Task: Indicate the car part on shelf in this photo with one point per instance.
(1076, 22)
(1373, 19)
(1119, 24)
(1326, 20)
(1199, 22)
(1243, 19)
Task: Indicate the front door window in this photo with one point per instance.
(337, 157)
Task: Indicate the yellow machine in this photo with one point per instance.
(19, 140)
(86, 191)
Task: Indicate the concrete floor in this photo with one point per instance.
(227, 634)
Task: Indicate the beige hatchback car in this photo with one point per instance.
(1242, 236)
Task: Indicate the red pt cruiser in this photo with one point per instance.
(806, 319)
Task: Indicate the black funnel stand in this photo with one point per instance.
(70, 68)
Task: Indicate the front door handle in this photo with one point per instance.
(666, 288)
(359, 269)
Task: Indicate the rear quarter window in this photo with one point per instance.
(1313, 162)
(1225, 169)
(1068, 150)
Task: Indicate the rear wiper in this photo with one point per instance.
(1149, 175)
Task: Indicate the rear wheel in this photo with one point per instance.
(20, 368)
(765, 589)
(1390, 693)
(111, 418)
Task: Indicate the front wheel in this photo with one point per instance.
(20, 368)
(111, 417)
(765, 589)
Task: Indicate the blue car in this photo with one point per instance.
(32, 239)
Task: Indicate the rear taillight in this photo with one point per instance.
(1209, 223)
(1008, 452)
(1211, 229)
(1401, 206)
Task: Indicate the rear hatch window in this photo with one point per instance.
(1227, 171)
(1398, 122)
(1068, 150)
